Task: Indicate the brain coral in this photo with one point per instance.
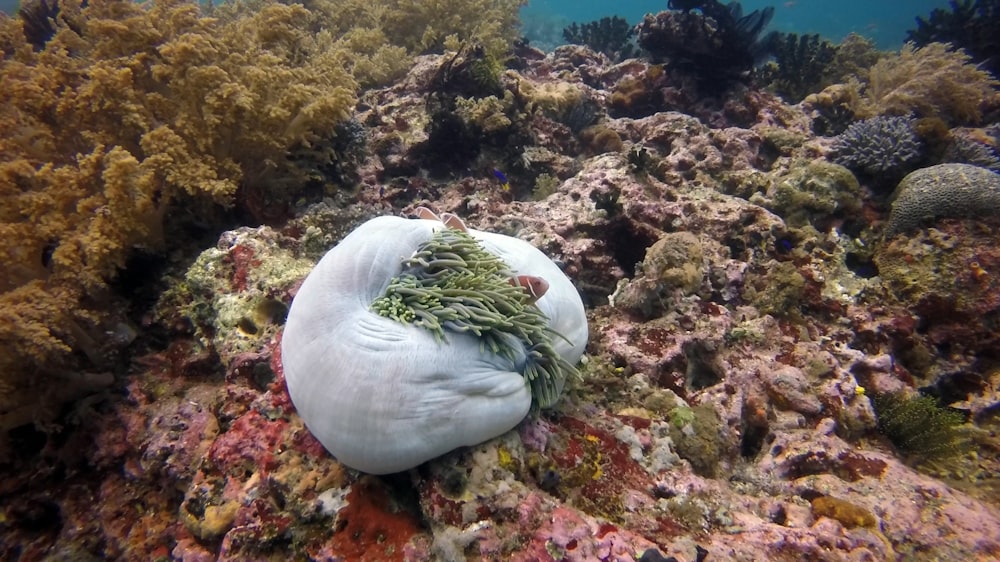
(945, 190)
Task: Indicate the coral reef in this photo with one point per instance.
(943, 191)
(945, 277)
(640, 95)
(821, 194)
(121, 113)
(930, 81)
(854, 56)
(746, 314)
(966, 150)
(833, 109)
(836, 106)
(107, 131)
(423, 27)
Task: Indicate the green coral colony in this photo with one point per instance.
(451, 283)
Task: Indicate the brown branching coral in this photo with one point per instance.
(117, 113)
(387, 32)
(930, 81)
(114, 119)
(425, 26)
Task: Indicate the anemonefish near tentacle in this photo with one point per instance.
(535, 286)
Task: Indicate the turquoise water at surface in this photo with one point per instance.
(884, 21)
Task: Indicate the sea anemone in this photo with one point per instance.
(409, 339)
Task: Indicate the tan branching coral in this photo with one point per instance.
(383, 33)
(424, 26)
(130, 109)
(125, 110)
(930, 81)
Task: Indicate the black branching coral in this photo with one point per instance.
(41, 17)
(970, 25)
(717, 42)
(612, 36)
(918, 426)
(801, 64)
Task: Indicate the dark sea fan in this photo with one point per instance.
(719, 45)
(39, 21)
(970, 25)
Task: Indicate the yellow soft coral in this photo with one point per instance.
(422, 25)
(125, 110)
(132, 108)
(930, 81)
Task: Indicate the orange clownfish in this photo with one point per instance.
(535, 286)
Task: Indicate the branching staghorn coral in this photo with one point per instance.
(880, 145)
(452, 284)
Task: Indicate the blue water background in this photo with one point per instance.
(884, 21)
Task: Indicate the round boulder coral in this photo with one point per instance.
(387, 384)
(818, 193)
(943, 191)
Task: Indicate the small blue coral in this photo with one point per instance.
(879, 146)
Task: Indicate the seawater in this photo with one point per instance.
(884, 21)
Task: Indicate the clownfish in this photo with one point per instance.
(535, 286)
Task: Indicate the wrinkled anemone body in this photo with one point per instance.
(384, 395)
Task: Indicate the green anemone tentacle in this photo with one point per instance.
(451, 283)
